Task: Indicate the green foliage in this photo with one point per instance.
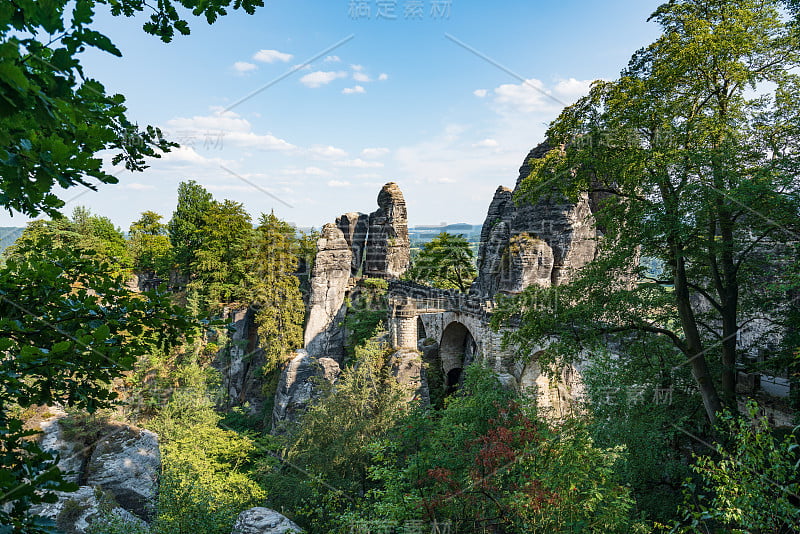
(110, 523)
(185, 227)
(219, 266)
(275, 290)
(750, 484)
(327, 456)
(54, 119)
(446, 262)
(367, 309)
(488, 464)
(149, 245)
(85, 233)
(375, 283)
(67, 329)
(641, 403)
(685, 162)
(205, 482)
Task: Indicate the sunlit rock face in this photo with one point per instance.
(117, 469)
(388, 249)
(263, 521)
(330, 276)
(525, 244)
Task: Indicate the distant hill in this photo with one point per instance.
(9, 234)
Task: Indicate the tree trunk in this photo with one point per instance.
(694, 344)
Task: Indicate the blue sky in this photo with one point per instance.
(399, 101)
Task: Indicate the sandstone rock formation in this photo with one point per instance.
(298, 385)
(72, 455)
(76, 511)
(240, 361)
(329, 281)
(541, 244)
(388, 251)
(408, 369)
(263, 521)
(126, 463)
(117, 471)
(355, 226)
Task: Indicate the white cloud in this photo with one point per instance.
(271, 56)
(222, 128)
(525, 97)
(357, 68)
(320, 78)
(226, 121)
(301, 66)
(327, 152)
(480, 93)
(353, 90)
(188, 156)
(243, 66)
(338, 183)
(315, 171)
(534, 96)
(257, 141)
(486, 143)
(374, 152)
(573, 89)
(359, 163)
(361, 77)
(383, 77)
(138, 187)
(333, 59)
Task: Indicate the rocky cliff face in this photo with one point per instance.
(329, 281)
(541, 244)
(388, 250)
(117, 472)
(240, 361)
(298, 385)
(375, 244)
(355, 227)
(263, 521)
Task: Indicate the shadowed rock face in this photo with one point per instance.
(540, 244)
(298, 385)
(388, 249)
(329, 281)
(355, 226)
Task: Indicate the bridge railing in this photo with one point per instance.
(431, 298)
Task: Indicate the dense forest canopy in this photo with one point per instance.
(690, 162)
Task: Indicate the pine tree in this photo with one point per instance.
(276, 290)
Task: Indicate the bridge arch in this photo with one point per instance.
(457, 350)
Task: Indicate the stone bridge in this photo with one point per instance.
(458, 325)
(457, 322)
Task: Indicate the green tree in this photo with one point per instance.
(275, 290)
(691, 167)
(747, 485)
(68, 327)
(149, 245)
(90, 234)
(446, 262)
(219, 267)
(487, 463)
(186, 226)
(330, 442)
(54, 119)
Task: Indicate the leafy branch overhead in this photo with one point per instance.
(55, 118)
